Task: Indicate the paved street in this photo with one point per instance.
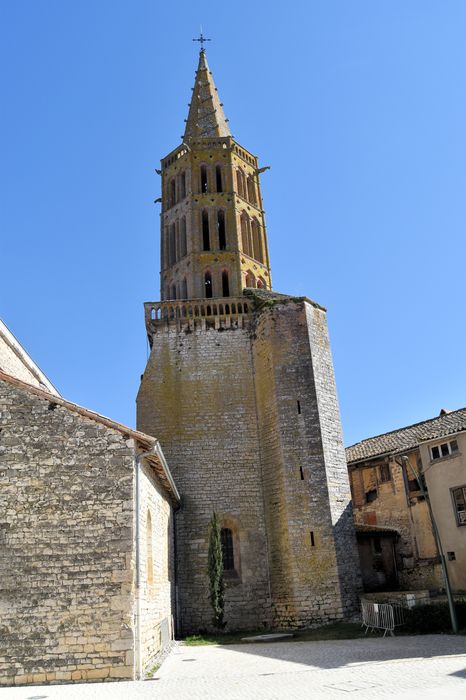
(425, 667)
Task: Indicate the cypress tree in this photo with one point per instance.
(215, 568)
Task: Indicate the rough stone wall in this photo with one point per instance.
(156, 547)
(66, 524)
(314, 566)
(225, 403)
(198, 390)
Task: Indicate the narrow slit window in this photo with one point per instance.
(208, 285)
(313, 542)
(218, 178)
(222, 241)
(205, 231)
(225, 284)
(301, 473)
(204, 179)
(227, 549)
(298, 405)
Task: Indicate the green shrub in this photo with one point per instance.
(429, 619)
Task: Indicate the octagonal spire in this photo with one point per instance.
(206, 116)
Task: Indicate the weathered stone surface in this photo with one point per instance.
(249, 420)
(67, 544)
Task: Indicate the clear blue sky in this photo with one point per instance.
(360, 109)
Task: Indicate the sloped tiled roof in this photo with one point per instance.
(409, 437)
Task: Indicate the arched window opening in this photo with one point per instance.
(149, 559)
(261, 283)
(166, 247)
(251, 191)
(208, 285)
(172, 192)
(184, 289)
(245, 234)
(172, 246)
(204, 184)
(205, 230)
(173, 292)
(226, 536)
(250, 280)
(222, 238)
(225, 284)
(257, 241)
(240, 183)
(183, 246)
(182, 185)
(218, 178)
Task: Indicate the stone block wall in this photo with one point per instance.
(314, 567)
(66, 529)
(225, 403)
(156, 567)
(198, 390)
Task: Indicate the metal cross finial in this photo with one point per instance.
(202, 39)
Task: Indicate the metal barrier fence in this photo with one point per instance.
(382, 616)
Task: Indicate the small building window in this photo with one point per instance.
(445, 449)
(251, 191)
(184, 289)
(459, 503)
(371, 495)
(182, 185)
(227, 549)
(172, 192)
(384, 471)
(222, 240)
(208, 285)
(218, 178)
(172, 245)
(204, 183)
(225, 284)
(205, 230)
(183, 246)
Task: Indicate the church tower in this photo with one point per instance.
(213, 236)
(239, 388)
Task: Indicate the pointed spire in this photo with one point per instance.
(206, 117)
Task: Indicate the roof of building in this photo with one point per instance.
(447, 423)
(206, 117)
(14, 360)
(145, 442)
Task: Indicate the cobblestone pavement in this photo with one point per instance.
(425, 667)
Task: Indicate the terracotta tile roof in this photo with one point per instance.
(408, 438)
(146, 442)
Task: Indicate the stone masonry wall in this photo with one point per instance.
(313, 557)
(198, 390)
(156, 567)
(66, 523)
(225, 403)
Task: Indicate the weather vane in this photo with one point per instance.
(202, 39)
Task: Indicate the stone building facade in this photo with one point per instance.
(86, 527)
(394, 527)
(240, 388)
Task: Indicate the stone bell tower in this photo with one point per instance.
(213, 236)
(239, 389)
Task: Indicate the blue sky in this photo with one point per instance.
(358, 107)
